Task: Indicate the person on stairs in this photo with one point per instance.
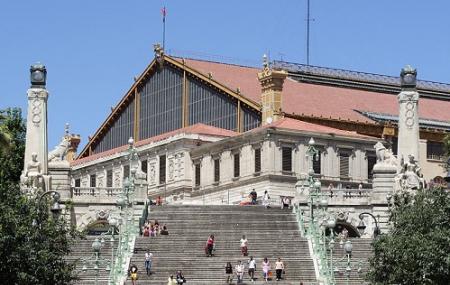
(239, 271)
(171, 281)
(266, 268)
(266, 199)
(133, 274)
(180, 278)
(210, 245)
(229, 272)
(251, 268)
(279, 268)
(148, 262)
(253, 196)
(244, 246)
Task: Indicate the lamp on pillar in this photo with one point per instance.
(362, 227)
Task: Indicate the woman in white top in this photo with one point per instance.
(266, 199)
(244, 246)
(279, 268)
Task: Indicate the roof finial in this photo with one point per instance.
(159, 53)
(265, 62)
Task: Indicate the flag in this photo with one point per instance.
(164, 13)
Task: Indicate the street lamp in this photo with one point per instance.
(95, 261)
(361, 226)
(346, 265)
(55, 207)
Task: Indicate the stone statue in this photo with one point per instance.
(33, 172)
(58, 153)
(384, 156)
(410, 176)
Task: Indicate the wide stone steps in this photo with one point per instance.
(271, 233)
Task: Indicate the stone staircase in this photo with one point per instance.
(82, 249)
(361, 251)
(271, 233)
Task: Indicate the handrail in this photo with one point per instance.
(320, 253)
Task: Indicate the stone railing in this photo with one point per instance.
(346, 193)
(95, 194)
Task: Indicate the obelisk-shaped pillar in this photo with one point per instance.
(36, 137)
(408, 120)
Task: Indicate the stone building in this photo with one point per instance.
(209, 132)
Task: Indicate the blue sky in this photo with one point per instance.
(92, 49)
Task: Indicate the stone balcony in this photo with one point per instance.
(106, 195)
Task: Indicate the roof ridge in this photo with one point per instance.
(217, 62)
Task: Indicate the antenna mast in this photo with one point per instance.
(308, 19)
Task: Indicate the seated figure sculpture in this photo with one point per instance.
(410, 174)
(33, 172)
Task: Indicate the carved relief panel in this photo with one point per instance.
(152, 172)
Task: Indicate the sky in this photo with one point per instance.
(93, 49)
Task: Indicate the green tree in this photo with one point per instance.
(33, 243)
(416, 250)
(4, 134)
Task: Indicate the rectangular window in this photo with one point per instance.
(144, 166)
(435, 150)
(317, 163)
(371, 161)
(197, 174)
(109, 178)
(216, 170)
(78, 182)
(237, 165)
(257, 160)
(126, 171)
(286, 159)
(93, 181)
(162, 169)
(344, 159)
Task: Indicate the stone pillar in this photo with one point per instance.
(272, 85)
(61, 182)
(408, 118)
(384, 173)
(36, 137)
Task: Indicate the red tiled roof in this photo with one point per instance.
(200, 129)
(297, 125)
(318, 100)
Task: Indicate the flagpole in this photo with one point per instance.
(164, 27)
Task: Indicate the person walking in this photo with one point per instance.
(244, 246)
(266, 268)
(251, 268)
(171, 281)
(210, 245)
(239, 272)
(133, 274)
(229, 272)
(148, 262)
(279, 268)
(266, 199)
(180, 278)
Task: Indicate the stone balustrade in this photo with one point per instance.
(95, 194)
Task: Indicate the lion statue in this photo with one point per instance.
(58, 153)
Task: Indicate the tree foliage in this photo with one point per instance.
(417, 249)
(33, 243)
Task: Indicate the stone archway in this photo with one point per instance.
(351, 229)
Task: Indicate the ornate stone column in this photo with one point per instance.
(408, 118)
(35, 160)
(272, 85)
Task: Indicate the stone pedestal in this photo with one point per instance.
(383, 185)
(60, 173)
